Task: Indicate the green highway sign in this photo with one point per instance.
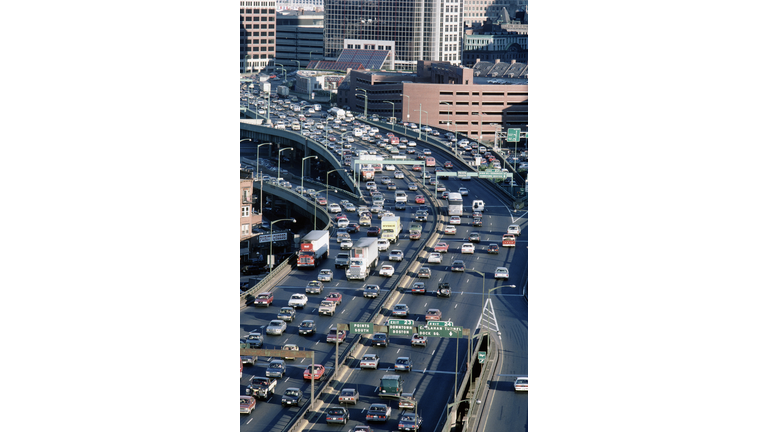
(461, 173)
(400, 322)
(400, 330)
(481, 357)
(436, 331)
(361, 327)
(491, 175)
(440, 323)
(513, 135)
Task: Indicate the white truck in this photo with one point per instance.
(327, 307)
(283, 91)
(338, 112)
(391, 228)
(314, 247)
(363, 259)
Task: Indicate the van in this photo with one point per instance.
(391, 386)
(478, 205)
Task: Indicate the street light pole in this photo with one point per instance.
(408, 113)
(302, 171)
(271, 258)
(393, 109)
(482, 308)
(328, 201)
(298, 65)
(365, 113)
(261, 179)
(278, 162)
(420, 111)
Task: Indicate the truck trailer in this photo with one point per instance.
(364, 258)
(314, 247)
(390, 228)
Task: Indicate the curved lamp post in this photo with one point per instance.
(302, 171)
(278, 161)
(393, 109)
(408, 113)
(272, 258)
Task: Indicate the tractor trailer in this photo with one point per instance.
(314, 247)
(364, 258)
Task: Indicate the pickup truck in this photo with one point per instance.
(342, 260)
(327, 307)
(262, 387)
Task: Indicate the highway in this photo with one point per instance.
(434, 366)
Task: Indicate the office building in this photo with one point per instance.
(257, 34)
(478, 11)
(299, 38)
(411, 30)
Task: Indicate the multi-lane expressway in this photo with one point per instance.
(432, 378)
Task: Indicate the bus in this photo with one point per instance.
(430, 161)
(455, 204)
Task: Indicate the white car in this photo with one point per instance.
(383, 245)
(387, 270)
(513, 229)
(346, 245)
(501, 273)
(463, 191)
(399, 175)
(349, 207)
(325, 275)
(396, 255)
(455, 220)
(468, 248)
(435, 258)
(389, 167)
(298, 301)
(412, 186)
(449, 229)
(411, 143)
(334, 208)
(342, 223)
(521, 384)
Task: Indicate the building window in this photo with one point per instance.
(245, 211)
(245, 228)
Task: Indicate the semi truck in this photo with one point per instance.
(283, 91)
(390, 228)
(363, 259)
(314, 247)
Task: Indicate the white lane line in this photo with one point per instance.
(249, 421)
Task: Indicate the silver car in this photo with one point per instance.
(276, 327)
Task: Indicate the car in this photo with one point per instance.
(411, 150)
(521, 384)
(371, 291)
(407, 401)
(513, 229)
(396, 255)
(416, 168)
(418, 340)
(385, 180)
(501, 273)
(336, 335)
(349, 207)
(387, 270)
(342, 222)
(477, 214)
(433, 315)
(374, 231)
(349, 395)
(493, 248)
(276, 369)
(378, 412)
(403, 364)
(458, 266)
(383, 245)
(441, 247)
(409, 422)
(321, 201)
(465, 177)
(287, 313)
(400, 310)
(334, 208)
(419, 288)
(477, 222)
(435, 258)
(289, 348)
(424, 272)
(391, 186)
(346, 245)
(463, 191)
(337, 415)
(247, 404)
(296, 301)
(307, 327)
(399, 175)
(399, 205)
(292, 396)
(445, 193)
(314, 287)
(440, 187)
(341, 236)
(334, 297)
(420, 199)
(389, 167)
(412, 186)
(353, 228)
(474, 237)
(444, 290)
(421, 216)
(316, 371)
(276, 327)
(325, 275)
(369, 361)
(264, 299)
(468, 248)
(380, 339)
(448, 164)
(449, 229)
(455, 220)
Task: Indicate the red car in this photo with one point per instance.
(340, 216)
(420, 199)
(374, 231)
(317, 370)
(322, 201)
(417, 167)
(441, 247)
(433, 315)
(264, 299)
(448, 164)
(334, 297)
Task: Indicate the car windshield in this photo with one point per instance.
(409, 417)
(292, 393)
(305, 324)
(275, 323)
(335, 411)
(347, 392)
(377, 408)
(402, 361)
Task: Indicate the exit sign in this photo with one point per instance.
(513, 135)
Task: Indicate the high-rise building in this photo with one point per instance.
(299, 37)
(257, 34)
(416, 29)
(477, 11)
